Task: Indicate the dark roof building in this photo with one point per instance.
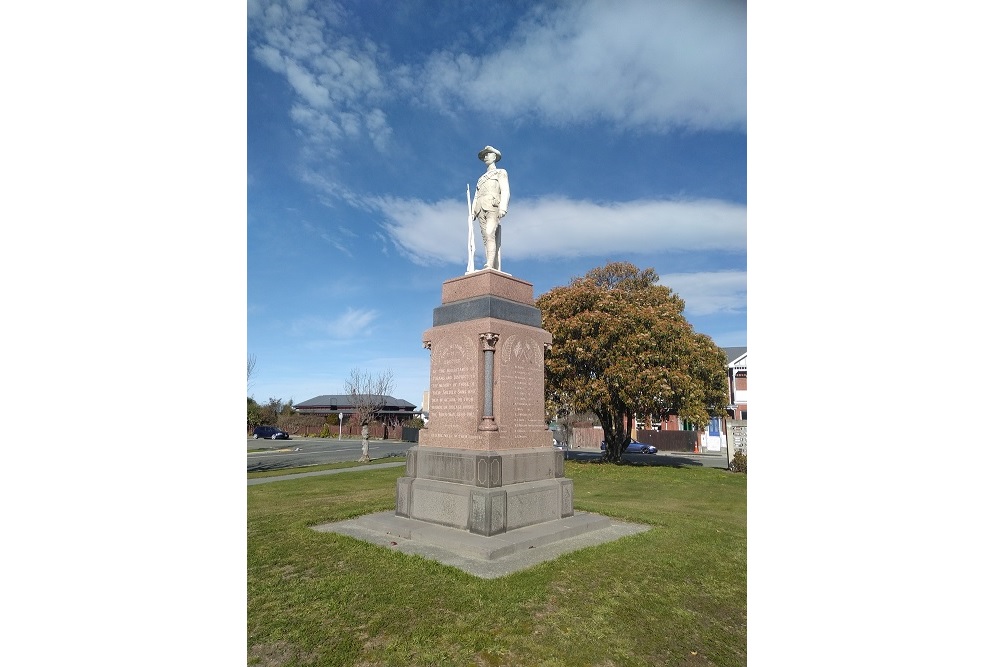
(332, 404)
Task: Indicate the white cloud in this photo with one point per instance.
(319, 126)
(335, 76)
(654, 65)
(352, 324)
(305, 85)
(270, 57)
(430, 233)
(633, 63)
(710, 292)
(378, 129)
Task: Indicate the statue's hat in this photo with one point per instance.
(489, 149)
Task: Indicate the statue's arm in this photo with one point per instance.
(504, 192)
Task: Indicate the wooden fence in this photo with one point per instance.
(669, 441)
(665, 441)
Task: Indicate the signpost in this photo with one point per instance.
(736, 440)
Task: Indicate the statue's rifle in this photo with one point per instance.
(472, 242)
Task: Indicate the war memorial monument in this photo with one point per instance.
(484, 489)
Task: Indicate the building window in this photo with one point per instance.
(741, 381)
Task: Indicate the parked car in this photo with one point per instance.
(635, 447)
(272, 432)
(560, 446)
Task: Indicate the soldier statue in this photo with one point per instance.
(490, 204)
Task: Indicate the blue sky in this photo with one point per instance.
(623, 131)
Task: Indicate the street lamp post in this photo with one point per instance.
(340, 433)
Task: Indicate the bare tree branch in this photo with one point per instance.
(368, 394)
(251, 367)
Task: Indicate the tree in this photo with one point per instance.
(368, 395)
(277, 412)
(254, 416)
(621, 346)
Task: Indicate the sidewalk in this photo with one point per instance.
(280, 478)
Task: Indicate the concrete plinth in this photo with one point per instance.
(481, 556)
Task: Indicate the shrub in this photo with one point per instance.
(325, 433)
(739, 462)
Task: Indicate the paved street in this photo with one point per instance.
(304, 451)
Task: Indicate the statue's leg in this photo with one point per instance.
(484, 227)
(488, 225)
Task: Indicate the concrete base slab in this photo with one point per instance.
(478, 555)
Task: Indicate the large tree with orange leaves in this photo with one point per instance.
(621, 346)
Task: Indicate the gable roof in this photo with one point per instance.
(734, 353)
(345, 402)
(736, 358)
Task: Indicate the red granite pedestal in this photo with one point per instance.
(485, 462)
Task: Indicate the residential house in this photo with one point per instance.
(396, 410)
(736, 368)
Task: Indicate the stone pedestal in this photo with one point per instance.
(485, 462)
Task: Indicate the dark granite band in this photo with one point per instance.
(487, 306)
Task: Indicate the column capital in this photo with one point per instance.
(489, 340)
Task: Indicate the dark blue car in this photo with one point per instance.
(635, 447)
(272, 432)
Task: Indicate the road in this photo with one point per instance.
(299, 451)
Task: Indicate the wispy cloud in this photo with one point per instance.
(336, 240)
(431, 233)
(654, 65)
(351, 324)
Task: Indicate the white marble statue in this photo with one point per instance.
(490, 204)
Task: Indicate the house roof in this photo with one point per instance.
(344, 401)
(736, 358)
(734, 353)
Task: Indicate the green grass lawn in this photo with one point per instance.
(674, 595)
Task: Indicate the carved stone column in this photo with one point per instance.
(489, 342)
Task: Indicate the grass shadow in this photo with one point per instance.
(663, 459)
